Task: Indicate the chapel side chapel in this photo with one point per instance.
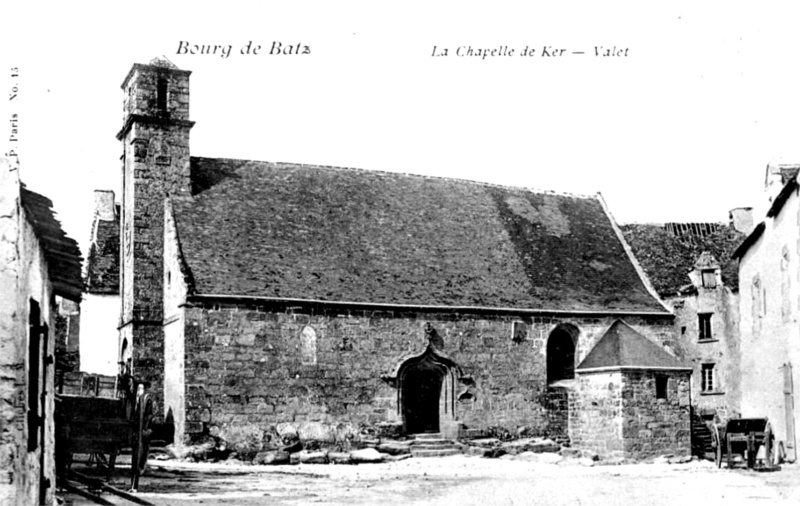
(257, 293)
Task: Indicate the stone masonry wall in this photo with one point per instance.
(595, 412)
(248, 365)
(616, 414)
(652, 426)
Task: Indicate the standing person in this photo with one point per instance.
(141, 432)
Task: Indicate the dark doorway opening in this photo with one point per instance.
(422, 387)
(560, 356)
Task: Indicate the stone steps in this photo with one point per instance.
(443, 446)
(428, 436)
(445, 452)
(433, 445)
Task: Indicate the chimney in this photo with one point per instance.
(741, 219)
(104, 207)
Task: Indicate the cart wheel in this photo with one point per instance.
(717, 446)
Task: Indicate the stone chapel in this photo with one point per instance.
(256, 293)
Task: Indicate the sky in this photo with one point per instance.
(680, 126)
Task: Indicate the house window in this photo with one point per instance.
(707, 378)
(704, 325)
(519, 332)
(308, 346)
(709, 278)
(661, 387)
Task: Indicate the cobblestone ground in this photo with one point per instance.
(461, 480)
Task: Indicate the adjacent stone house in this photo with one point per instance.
(37, 264)
(769, 284)
(691, 268)
(341, 300)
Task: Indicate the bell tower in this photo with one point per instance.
(155, 167)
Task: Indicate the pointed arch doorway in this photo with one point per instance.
(426, 391)
(421, 393)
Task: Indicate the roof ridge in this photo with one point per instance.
(411, 174)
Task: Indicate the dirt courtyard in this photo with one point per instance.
(460, 480)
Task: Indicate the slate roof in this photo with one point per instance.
(102, 271)
(623, 347)
(346, 235)
(668, 257)
(62, 254)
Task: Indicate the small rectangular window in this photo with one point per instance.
(709, 278)
(161, 95)
(519, 332)
(661, 387)
(707, 378)
(704, 326)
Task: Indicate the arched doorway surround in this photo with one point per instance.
(426, 390)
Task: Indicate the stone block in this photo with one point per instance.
(339, 458)
(272, 458)
(366, 455)
(306, 457)
(395, 447)
(451, 429)
(478, 451)
(535, 445)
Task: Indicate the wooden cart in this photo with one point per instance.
(745, 437)
(91, 425)
(101, 426)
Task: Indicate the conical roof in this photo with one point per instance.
(623, 347)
